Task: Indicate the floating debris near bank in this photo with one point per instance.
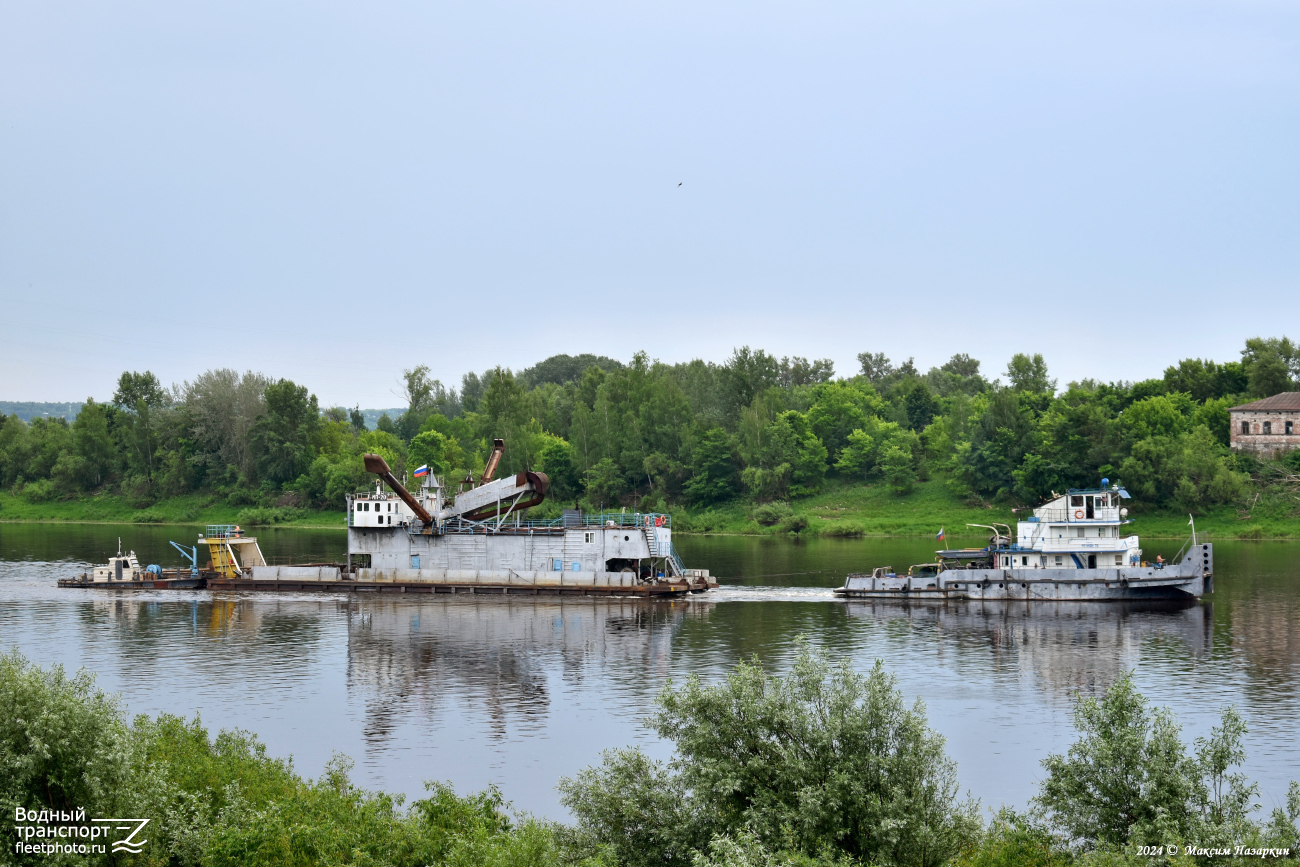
(1070, 549)
(476, 540)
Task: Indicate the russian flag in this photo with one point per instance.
(422, 471)
(939, 536)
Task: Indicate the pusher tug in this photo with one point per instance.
(1069, 549)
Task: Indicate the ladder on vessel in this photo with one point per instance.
(652, 541)
(224, 562)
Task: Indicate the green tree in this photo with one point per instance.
(282, 437)
(220, 409)
(1127, 777)
(920, 406)
(140, 397)
(15, 450)
(562, 369)
(999, 439)
(897, 467)
(555, 459)
(605, 484)
(863, 455)
(822, 759)
(504, 413)
(876, 367)
(790, 451)
(838, 409)
(1272, 365)
(713, 467)
(63, 745)
(1029, 373)
(431, 448)
(746, 375)
(93, 442)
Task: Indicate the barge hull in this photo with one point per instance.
(650, 591)
(152, 584)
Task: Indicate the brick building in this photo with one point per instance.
(1269, 426)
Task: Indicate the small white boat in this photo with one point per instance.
(124, 571)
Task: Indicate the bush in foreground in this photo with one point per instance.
(823, 763)
(222, 802)
(822, 767)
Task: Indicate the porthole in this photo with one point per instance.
(999, 586)
(1024, 585)
(625, 538)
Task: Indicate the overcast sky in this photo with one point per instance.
(332, 192)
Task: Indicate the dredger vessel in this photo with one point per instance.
(478, 540)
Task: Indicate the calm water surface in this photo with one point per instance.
(521, 692)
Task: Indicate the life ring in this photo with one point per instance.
(647, 520)
(1078, 514)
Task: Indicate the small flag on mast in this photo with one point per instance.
(422, 471)
(939, 537)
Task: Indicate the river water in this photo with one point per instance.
(521, 692)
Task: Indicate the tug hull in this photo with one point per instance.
(1191, 578)
(184, 581)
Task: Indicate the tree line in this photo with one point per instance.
(822, 767)
(651, 435)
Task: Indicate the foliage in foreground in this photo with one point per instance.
(223, 802)
(823, 767)
(822, 762)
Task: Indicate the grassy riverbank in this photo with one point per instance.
(187, 509)
(840, 510)
(873, 510)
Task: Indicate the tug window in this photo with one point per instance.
(1076, 501)
(1058, 560)
(1024, 561)
(1119, 559)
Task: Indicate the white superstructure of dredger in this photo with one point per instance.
(479, 540)
(1072, 548)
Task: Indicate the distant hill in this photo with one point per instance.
(28, 410)
(372, 415)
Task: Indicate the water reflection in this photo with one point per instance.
(1061, 649)
(498, 655)
(522, 691)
